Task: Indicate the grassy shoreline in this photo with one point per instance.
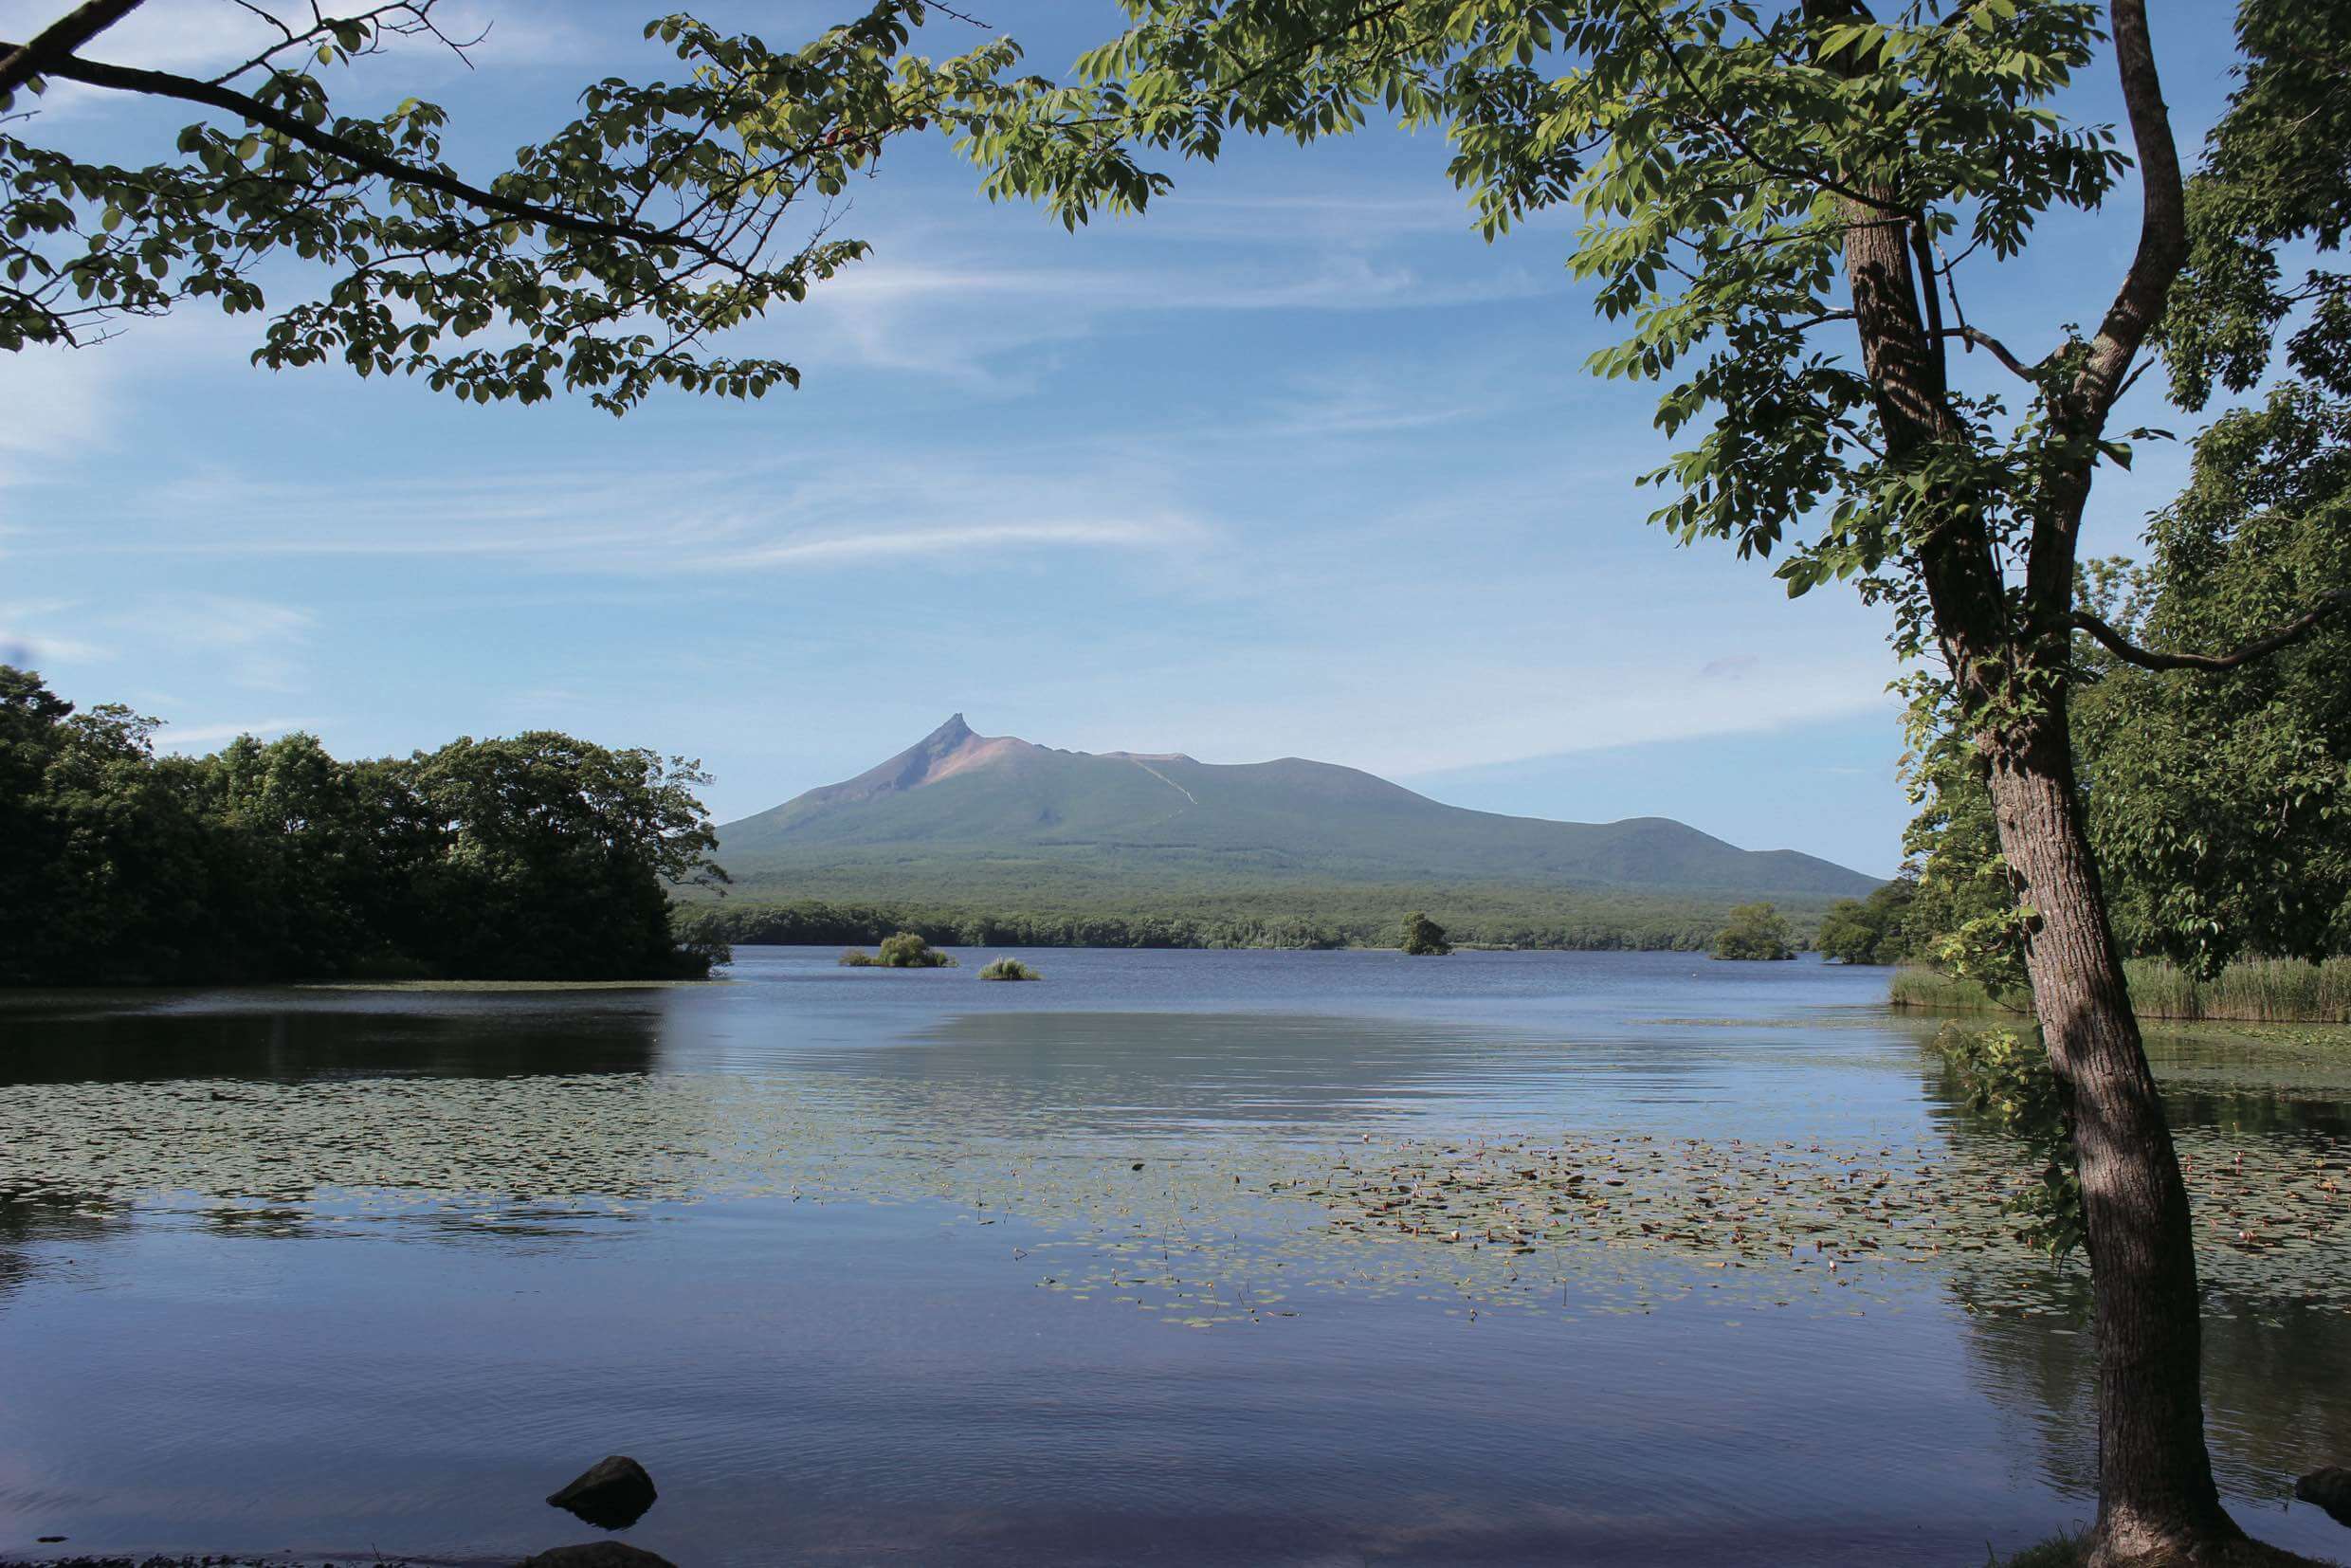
(2255, 990)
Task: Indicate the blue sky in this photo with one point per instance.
(1294, 464)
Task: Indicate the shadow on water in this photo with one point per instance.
(2274, 1373)
(293, 1036)
(2276, 1364)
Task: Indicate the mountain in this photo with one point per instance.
(961, 817)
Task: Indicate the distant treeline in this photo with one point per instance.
(539, 857)
(814, 922)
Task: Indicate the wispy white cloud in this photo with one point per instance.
(834, 512)
(1339, 282)
(189, 737)
(28, 638)
(210, 38)
(225, 620)
(984, 323)
(1426, 725)
(250, 643)
(948, 539)
(53, 408)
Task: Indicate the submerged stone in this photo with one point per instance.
(597, 1554)
(2330, 1488)
(611, 1494)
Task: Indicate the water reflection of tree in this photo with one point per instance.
(292, 1036)
(2255, 1113)
(29, 1221)
(2277, 1370)
(2275, 1378)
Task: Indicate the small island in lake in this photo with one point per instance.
(904, 950)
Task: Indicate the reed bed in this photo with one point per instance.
(2263, 991)
(1930, 988)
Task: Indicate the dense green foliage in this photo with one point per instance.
(900, 950)
(2218, 801)
(1302, 918)
(537, 857)
(1755, 931)
(2007, 1079)
(1008, 969)
(1424, 938)
(601, 261)
(1875, 930)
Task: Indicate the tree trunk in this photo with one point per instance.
(2155, 1496)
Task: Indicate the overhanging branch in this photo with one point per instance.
(189, 90)
(21, 62)
(2260, 647)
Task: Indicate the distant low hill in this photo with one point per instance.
(968, 820)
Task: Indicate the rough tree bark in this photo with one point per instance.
(2156, 1497)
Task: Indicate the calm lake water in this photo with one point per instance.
(1176, 1258)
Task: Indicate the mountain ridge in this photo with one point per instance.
(959, 814)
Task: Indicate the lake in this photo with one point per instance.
(1177, 1257)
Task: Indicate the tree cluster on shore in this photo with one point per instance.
(536, 857)
(1346, 917)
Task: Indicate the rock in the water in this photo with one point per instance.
(598, 1553)
(2330, 1488)
(612, 1494)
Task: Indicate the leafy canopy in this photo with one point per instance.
(602, 261)
(1720, 154)
(534, 857)
(2218, 800)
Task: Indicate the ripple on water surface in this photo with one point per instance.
(1181, 1257)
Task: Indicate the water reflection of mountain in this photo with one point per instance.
(291, 1036)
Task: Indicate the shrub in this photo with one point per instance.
(1424, 938)
(2006, 1078)
(1008, 969)
(1756, 931)
(907, 951)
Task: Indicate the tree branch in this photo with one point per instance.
(19, 62)
(2163, 224)
(2105, 362)
(2260, 647)
(166, 84)
(1991, 345)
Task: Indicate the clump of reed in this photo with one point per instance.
(1008, 969)
(1917, 986)
(2259, 991)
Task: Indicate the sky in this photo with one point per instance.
(1295, 464)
